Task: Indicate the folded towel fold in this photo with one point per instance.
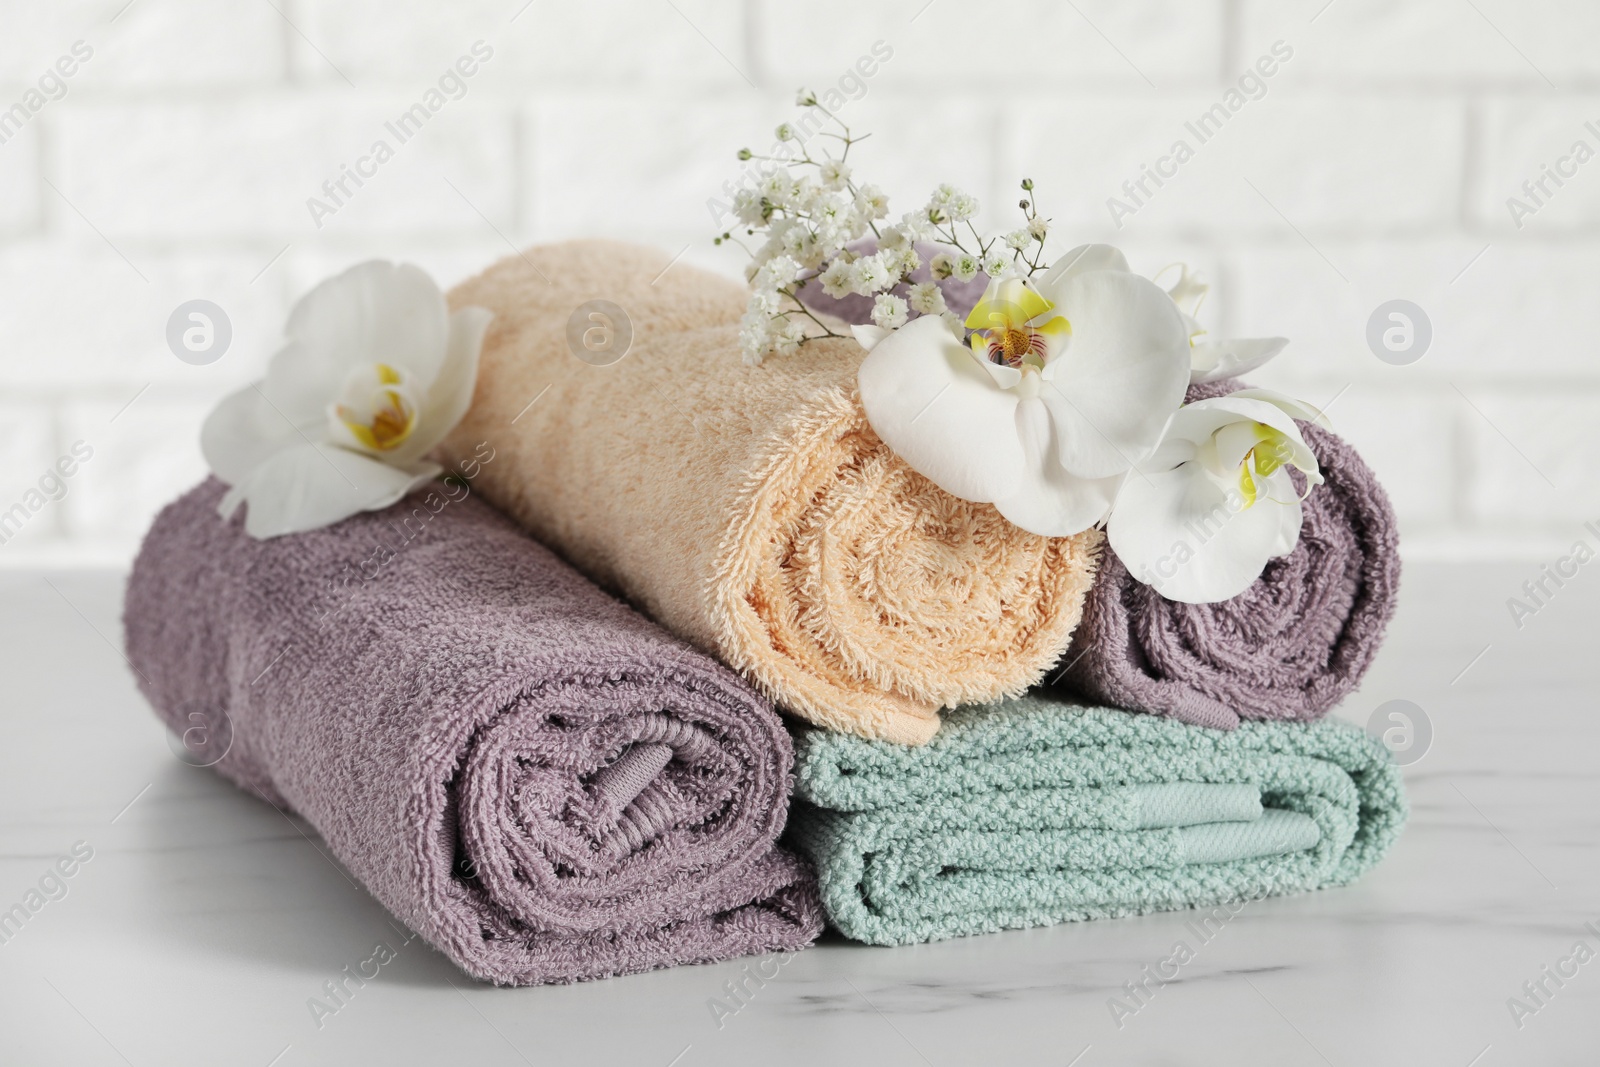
(751, 510)
(1036, 811)
(540, 782)
(1290, 647)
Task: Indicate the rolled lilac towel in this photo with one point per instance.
(540, 782)
(1288, 648)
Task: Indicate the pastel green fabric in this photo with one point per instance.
(1037, 811)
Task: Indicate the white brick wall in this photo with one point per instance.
(1376, 165)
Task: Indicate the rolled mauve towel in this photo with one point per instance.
(540, 782)
(1290, 647)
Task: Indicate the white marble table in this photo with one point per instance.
(204, 920)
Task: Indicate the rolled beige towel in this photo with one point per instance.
(752, 510)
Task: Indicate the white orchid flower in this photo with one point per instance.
(1200, 518)
(375, 373)
(1216, 360)
(1210, 361)
(1063, 388)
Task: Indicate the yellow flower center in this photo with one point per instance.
(1261, 461)
(1010, 326)
(1011, 344)
(386, 417)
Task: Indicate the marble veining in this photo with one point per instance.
(205, 922)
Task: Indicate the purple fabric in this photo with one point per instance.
(539, 781)
(959, 297)
(1290, 647)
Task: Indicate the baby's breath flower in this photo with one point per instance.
(808, 193)
(951, 203)
(857, 223)
(749, 208)
(997, 264)
(778, 272)
(785, 132)
(779, 189)
(830, 210)
(965, 267)
(927, 299)
(786, 335)
(838, 280)
(802, 247)
(872, 202)
(894, 238)
(1038, 227)
(871, 274)
(805, 98)
(835, 173)
(903, 261)
(1019, 239)
(889, 311)
(941, 265)
(755, 336)
(917, 224)
(765, 300)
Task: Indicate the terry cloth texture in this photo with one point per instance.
(752, 510)
(1290, 647)
(540, 782)
(1036, 811)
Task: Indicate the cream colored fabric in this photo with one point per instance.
(752, 510)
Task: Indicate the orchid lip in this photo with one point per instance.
(375, 409)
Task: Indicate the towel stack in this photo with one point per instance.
(549, 785)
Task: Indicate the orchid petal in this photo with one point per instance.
(308, 486)
(868, 336)
(1279, 487)
(1082, 259)
(981, 317)
(451, 395)
(1050, 501)
(933, 405)
(244, 431)
(1188, 292)
(1212, 361)
(1125, 370)
(375, 312)
(1178, 532)
(1296, 408)
(1011, 302)
(1200, 420)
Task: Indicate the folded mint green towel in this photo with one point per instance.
(1036, 811)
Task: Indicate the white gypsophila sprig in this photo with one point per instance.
(806, 209)
(889, 311)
